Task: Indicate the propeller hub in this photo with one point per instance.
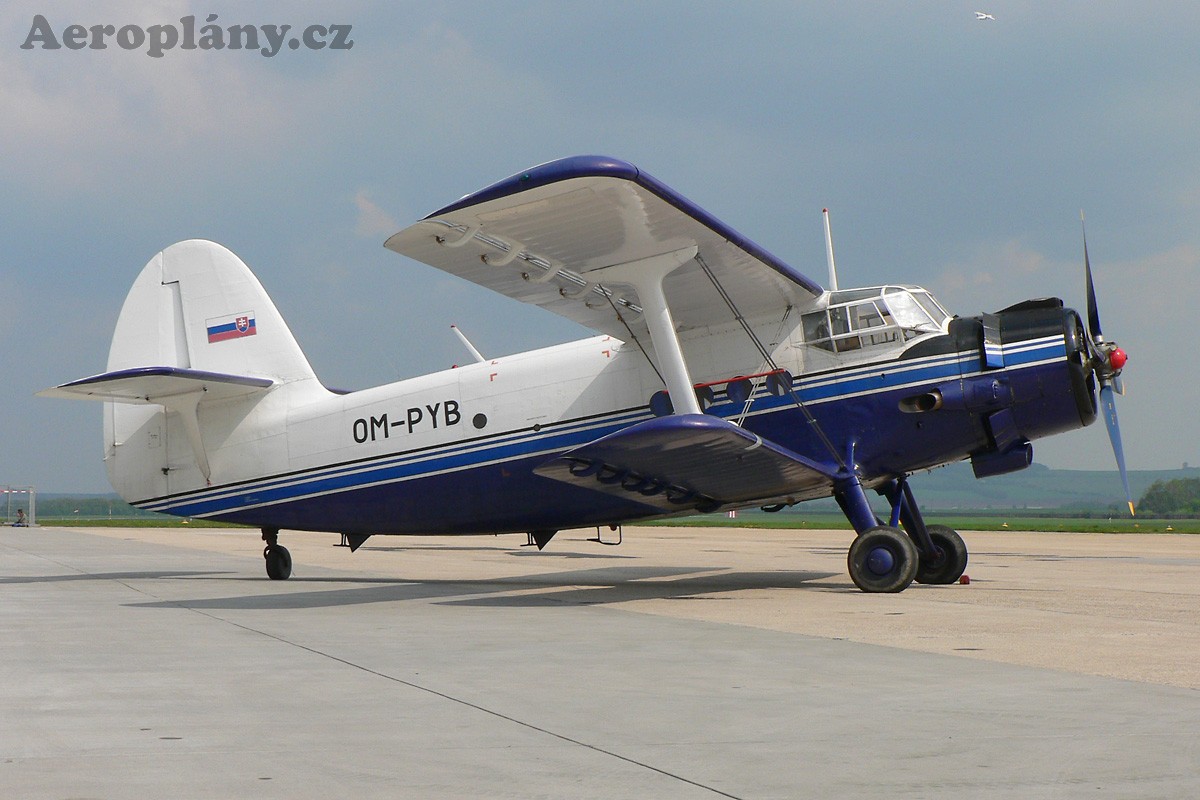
(1117, 359)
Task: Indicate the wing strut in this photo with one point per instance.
(646, 276)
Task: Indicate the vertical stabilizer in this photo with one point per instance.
(197, 307)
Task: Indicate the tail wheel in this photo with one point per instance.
(882, 559)
(279, 562)
(950, 560)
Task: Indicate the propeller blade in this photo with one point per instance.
(1118, 385)
(1109, 403)
(1092, 310)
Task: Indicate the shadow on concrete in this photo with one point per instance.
(514, 552)
(109, 576)
(545, 554)
(703, 588)
(583, 587)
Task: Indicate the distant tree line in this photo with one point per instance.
(88, 507)
(1176, 497)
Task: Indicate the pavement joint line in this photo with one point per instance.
(458, 700)
(397, 680)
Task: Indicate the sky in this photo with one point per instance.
(952, 153)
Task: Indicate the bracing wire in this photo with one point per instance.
(768, 359)
(650, 361)
(787, 312)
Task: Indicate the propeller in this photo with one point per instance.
(1106, 360)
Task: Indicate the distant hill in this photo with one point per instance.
(1038, 487)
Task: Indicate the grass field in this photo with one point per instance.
(963, 521)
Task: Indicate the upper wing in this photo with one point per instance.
(539, 235)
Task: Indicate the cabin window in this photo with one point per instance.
(816, 329)
(860, 318)
(876, 323)
(865, 315)
(839, 320)
(842, 318)
(850, 295)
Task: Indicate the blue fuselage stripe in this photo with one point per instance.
(397, 467)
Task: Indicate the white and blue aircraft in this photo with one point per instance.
(719, 378)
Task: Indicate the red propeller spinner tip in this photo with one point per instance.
(1117, 358)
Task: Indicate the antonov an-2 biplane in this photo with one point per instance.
(719, 378)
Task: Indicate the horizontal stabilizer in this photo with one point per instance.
(690, 461)
(157, 385)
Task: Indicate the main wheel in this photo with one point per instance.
(279, 562)
(950, 561)
(882, 559)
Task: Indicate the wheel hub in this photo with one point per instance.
(881, 561)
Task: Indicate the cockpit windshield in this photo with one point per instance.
(860, 318)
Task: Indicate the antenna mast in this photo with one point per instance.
(462, 337)
(829, 252)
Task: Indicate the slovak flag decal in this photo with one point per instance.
(234, 326)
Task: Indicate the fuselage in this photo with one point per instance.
(454, 451)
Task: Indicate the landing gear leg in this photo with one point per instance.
(942, 552)
(279, 560)
(882, 558)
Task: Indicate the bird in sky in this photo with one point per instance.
(981, 16)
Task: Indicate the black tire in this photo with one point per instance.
(279, 563)
(882, 559)
(951, 561)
